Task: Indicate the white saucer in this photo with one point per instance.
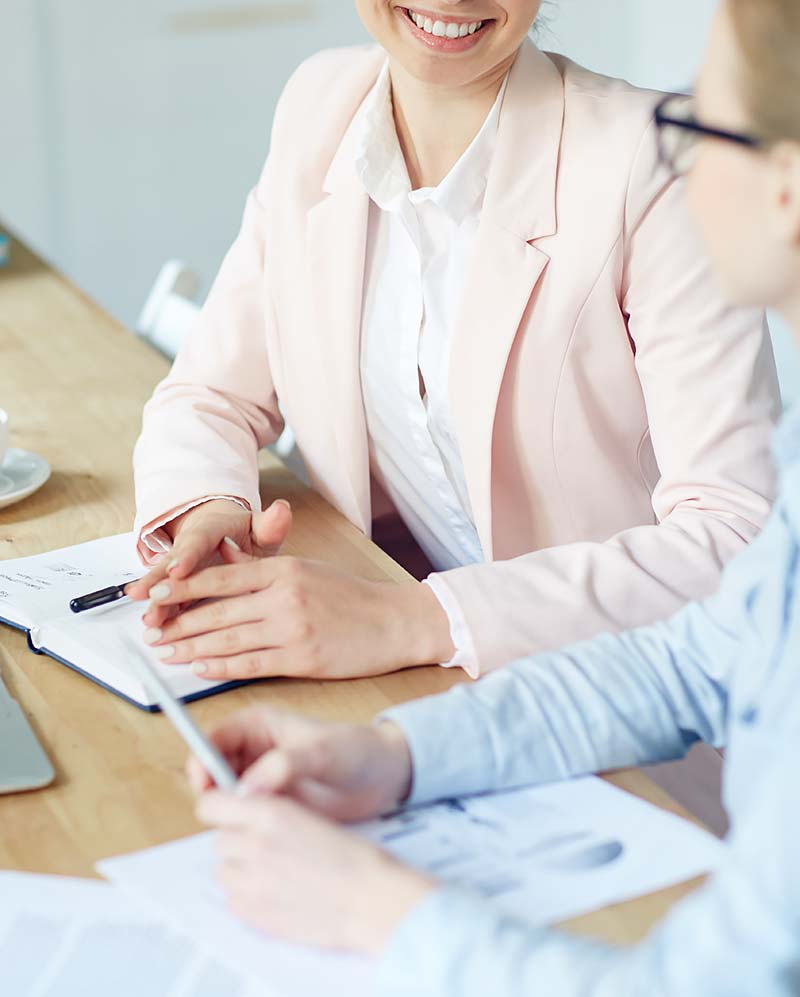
(21, 474)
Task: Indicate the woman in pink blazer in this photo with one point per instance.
(480, 301)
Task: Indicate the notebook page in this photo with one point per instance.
(36, 589)
(99, 642)
(64, 937)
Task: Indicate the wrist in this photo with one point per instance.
(221, 506)
(423, 626)
(397, 890)
(400, 767)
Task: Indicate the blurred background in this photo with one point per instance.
(132, 131)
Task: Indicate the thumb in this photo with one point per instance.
(271, 527)
(276, 771)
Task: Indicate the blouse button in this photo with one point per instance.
(750, 716)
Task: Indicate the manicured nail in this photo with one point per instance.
(160, 591)
(200, 668)
(168, 651)
(232, 543)
(153, 636)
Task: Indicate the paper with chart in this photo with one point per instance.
(78, 938)
(547, 853)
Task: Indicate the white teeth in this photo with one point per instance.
(442, 30)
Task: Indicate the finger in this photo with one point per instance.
(197, 776)
(232, 553)
(247, 735)
(241, 741)
(207, 618)
(269, 815)
(271, 528)
(263, 664)
(138, 590)
(306, 756)
(195, 547)
(156, 616)
(223, 580)
(234, 641)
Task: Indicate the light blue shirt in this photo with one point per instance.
(727, 672)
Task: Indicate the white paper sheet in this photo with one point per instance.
(547, 853)
(34, 590)
(77, 938)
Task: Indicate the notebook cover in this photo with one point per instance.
(201, 694)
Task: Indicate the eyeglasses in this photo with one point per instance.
(680, 134)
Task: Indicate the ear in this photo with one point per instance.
(786, 191)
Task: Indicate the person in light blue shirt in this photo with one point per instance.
(726, 672)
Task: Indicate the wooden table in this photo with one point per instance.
(75, 383)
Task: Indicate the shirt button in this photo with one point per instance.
(750, 716)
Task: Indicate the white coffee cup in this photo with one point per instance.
(4, 434)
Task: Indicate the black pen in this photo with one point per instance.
(102, 598)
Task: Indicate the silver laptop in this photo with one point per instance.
(23, 763)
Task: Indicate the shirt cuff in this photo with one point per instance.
(465, 656)
(154, 541)
(450, 746)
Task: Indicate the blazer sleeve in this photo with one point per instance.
(708, 378)
(206, 422)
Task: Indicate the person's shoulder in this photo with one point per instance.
(330, 78)
(610, 122)
(606, 108)
(313, 114)
(622, 97)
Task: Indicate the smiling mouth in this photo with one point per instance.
(439, 28)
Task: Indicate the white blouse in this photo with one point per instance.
(419, 245)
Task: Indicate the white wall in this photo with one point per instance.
(132, 131)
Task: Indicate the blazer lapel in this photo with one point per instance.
(519, 208)
(336, 239)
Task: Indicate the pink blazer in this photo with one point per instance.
(613, 414)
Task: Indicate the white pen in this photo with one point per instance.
(205, 752)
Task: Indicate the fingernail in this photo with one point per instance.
(284, 502)
(153, 635)
(160, 591)
(168, 651)
(200, 668)
(232, 543)
(173, 564)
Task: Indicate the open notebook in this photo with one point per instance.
(35, 593)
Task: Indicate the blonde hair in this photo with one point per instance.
(768, 36)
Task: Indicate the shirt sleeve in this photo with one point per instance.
(739, 936)
(638, 698)
(465, 656)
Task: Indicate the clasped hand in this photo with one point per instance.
(223, 603)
